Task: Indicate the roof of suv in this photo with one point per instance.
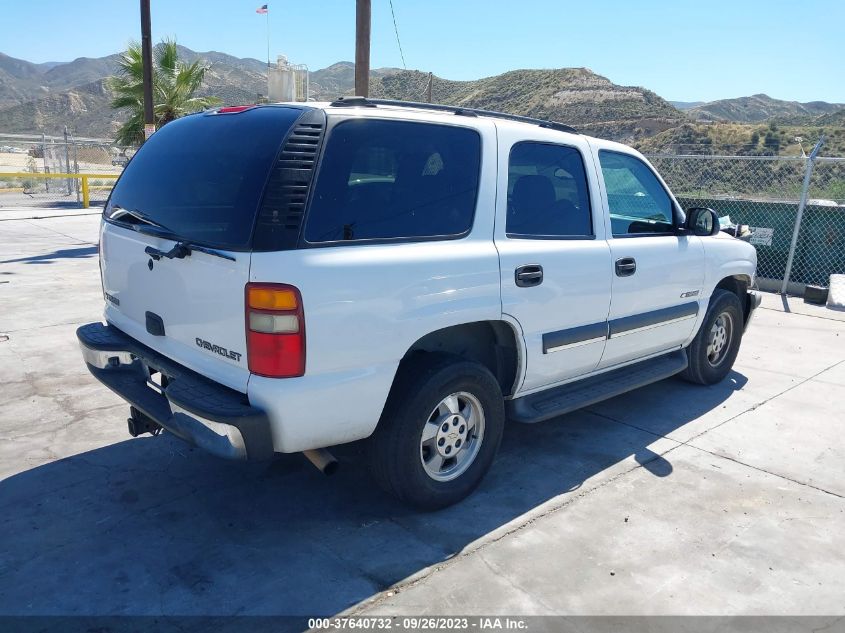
(379, 107)
(459, 110)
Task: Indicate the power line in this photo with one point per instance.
(396, 28)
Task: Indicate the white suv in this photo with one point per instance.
(289, 277)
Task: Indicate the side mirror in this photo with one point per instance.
(702, 221)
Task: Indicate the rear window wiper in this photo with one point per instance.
(150, 225)
(180, 250)
(183, 249)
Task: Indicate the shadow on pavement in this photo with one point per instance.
(49, 258)
(151, 526)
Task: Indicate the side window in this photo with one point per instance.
(395, 179)
(547, 192)
(638, 202)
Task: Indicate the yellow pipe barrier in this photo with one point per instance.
(86, 199)
(86, 194)
(39, 174)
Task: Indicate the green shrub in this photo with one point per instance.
(772, 141)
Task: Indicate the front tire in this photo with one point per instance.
(713, 350)
(439, 432)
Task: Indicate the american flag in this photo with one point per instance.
(262, 9)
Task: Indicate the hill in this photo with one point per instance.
(18, 81)
(22, 81)
(84, 109)
(686, 105)
(832, 118)
(759, 108)
(339, 79)
(743, 139)
(37, 98)
(45, 97)
(576, 96)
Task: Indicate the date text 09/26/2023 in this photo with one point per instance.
(419, 623)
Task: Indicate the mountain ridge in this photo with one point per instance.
(37, 98)
(42, 98)
(759, 108)
(575, 96)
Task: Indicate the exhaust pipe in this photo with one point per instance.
(322, 459)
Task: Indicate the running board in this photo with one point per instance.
(551, 403)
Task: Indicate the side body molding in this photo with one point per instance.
(585, 334)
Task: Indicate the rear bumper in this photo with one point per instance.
(200, 411)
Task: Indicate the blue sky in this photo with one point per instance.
(682, 50)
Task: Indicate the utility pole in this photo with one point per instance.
(147, 60)
(362, 48)
(428, 89)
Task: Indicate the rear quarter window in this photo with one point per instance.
(394, 180)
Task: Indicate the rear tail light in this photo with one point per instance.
(275, 330)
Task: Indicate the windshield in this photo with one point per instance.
(202, 176)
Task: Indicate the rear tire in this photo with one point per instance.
(439, 432)
(713, 350)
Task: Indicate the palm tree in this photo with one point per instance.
(174, 85)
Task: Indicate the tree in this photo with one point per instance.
(175, 83)
(772, 142)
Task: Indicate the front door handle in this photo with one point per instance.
(626, 266)
(528, 276)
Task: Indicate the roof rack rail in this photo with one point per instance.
(458, 110)
(351, 100)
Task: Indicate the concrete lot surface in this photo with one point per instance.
(674, 499)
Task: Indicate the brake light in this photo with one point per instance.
(233, 109)
(275, 330)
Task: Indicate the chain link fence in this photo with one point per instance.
(58, 172)
(802, 243)
(820, 249)
(766, 192)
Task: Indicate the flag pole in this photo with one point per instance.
(267, 16)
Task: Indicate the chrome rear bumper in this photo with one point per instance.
(196, 409)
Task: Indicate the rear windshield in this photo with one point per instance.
(389, 180)
(202, 176)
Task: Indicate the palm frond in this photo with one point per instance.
(175, 83)
(167, 55)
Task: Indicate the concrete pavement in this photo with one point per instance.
(674, 499)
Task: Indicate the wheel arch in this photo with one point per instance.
(494, 344)
(739, 285)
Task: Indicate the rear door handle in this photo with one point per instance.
(626, 266)
(529, 275)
